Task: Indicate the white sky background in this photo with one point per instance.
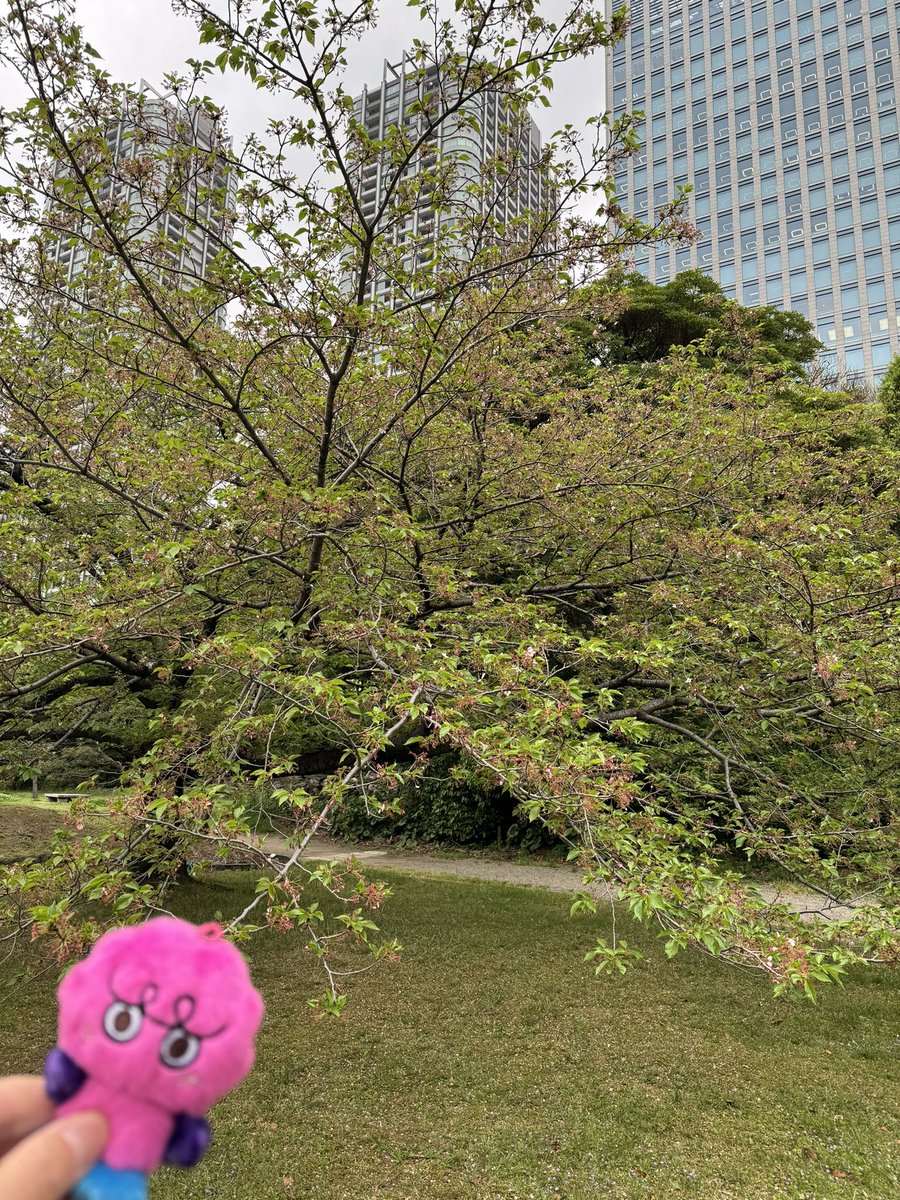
(145, 39)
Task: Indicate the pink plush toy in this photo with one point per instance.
(155, 1026)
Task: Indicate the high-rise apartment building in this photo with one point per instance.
(782, 116)
(469, 140)
(191, 229)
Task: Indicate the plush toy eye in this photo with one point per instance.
(179, 1048)
(122, 1021)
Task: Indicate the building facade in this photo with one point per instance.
(190, 231)
(782, 116)
(469, 140)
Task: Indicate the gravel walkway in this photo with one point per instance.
(560, 878)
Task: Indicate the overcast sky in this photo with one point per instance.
(145, 39)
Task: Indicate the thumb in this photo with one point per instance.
(48, 1164)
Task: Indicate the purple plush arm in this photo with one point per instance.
(62, 1077)
(189, 1141)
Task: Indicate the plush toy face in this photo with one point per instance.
(164, 1012)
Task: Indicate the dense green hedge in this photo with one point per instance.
(450, 803)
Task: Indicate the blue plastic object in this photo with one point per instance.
(103, 1183)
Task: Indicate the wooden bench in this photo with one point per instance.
(59, 797)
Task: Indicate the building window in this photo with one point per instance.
(815, 172)
(874, 263)
(822, 276)
(821, 251)
(797, 256)
(878, 322)
(827, 333)
(824, 304)
(798, 283)
(881, 354)
(852, 328)
(876, 291)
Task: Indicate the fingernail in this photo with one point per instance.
(85, 1134)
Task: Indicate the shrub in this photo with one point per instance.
(450, 803)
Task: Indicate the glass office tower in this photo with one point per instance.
(782, 115)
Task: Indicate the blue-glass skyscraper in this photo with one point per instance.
(782, 114)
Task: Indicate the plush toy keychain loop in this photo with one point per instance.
(155, 1025)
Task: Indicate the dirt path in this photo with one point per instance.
(561, 878)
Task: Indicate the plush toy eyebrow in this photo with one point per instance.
(184, 1007)
(148, 994)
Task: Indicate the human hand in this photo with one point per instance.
(42, 1159)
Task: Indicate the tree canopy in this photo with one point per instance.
(889, 397)
(663, 616)
(650, 320)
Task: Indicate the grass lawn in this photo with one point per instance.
(26, 825)
(98, 797)
(491, 1064)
